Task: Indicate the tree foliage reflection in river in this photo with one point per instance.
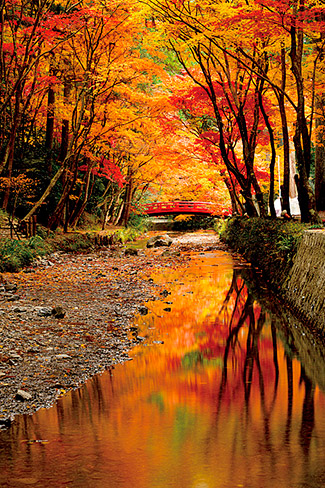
(234, 397)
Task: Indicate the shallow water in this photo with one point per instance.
(233, 397)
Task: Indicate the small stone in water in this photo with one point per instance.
(143, 310)
(165, 293)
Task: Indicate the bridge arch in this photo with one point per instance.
(178, 207)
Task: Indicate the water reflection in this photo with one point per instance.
(234, 397)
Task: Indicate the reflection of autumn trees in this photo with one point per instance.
(228, 388)
(246, 316)
(308, 413)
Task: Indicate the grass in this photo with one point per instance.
(15, 254)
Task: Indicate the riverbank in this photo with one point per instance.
(291, 257)
(304, 287)
(67, 317)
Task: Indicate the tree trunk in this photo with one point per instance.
(285, 193)
(46, 193)
(58, 213)
(107, 208)
(87, 192)
(50, 119)
(273, 156)
(302, 137)
(127, 203)
(232, 194)
(118, 217)
(65, 125)
(10, 150)
(249, 144)
(320, 154)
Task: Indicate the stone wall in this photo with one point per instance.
(304, 289)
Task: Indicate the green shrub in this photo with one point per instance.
(15, 255)
(270, 245)
(74, 242)
(126, 234)
(139, 222)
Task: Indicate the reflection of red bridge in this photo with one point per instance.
(179, 207)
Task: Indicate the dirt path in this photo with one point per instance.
(69, 317)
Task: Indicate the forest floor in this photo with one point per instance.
(68, 317)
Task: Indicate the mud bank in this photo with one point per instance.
(304, 288)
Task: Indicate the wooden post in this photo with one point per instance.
(34, 219)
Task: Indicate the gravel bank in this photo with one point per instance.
(69, 317)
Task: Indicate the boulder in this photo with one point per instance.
(159, 241)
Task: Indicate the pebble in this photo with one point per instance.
(23, 395)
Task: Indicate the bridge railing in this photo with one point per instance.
(179, 206)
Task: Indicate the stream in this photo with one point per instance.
(225, 389)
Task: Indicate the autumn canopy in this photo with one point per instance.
(106, 106)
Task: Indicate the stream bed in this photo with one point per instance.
(225, 389)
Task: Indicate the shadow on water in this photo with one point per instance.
(234, 397)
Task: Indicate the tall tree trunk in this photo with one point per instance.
(106, 210)
(74, 219)
(273, 156)
(236, 206)
(301, 138)
(249, 144)
(50, 119)
(10, 150)
(65, 125)
(320, 154)
(285, 188)
(58, 214)
(49, 134)
(119, 213)
(124, 217)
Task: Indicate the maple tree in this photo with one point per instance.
(197, 115)
(208, 37)
(28, 34)
(91, 73)
(231, 91)
(104, 104)
(297, 34)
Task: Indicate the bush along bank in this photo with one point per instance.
(291, 258)
(17, 254)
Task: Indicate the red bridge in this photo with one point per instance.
(179, 207)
